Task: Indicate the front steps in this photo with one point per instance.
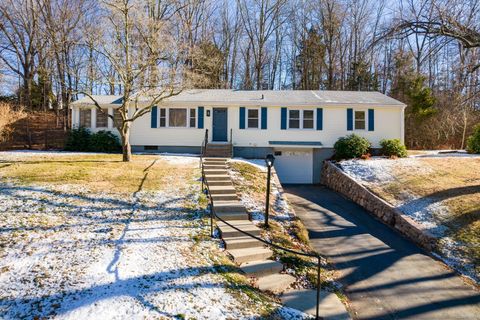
(218, 149)
(252, 256)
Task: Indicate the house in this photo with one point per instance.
(298, 127)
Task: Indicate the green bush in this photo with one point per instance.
(82, 139)
(393, 148)
(473, 142)
(104, 141)
(352, 146)
(78, 140)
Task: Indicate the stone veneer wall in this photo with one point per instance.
(334, 178)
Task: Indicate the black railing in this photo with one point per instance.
(270, 244)
(203, 149)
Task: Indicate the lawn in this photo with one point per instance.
(441, 192)
(86, 236)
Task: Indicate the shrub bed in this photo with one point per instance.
(82, 139)
(351, 146)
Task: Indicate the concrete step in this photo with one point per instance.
(261, 268)
(241, 242)
(219, 183)
(276, 283)
(221, 189)
(229, 216)
(305, 300)
(250, 254)
(209, 172)
(219, 153)
(244, 225)
(224, 197)
(214, 166)
(215, 160)
(218, 177)
(228, 206)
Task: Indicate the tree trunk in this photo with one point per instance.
(126, 148)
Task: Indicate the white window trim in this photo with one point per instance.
(301, 118)
(259, 118)
(167, 118)
(365, 111)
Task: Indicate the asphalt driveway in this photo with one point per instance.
(385, 275)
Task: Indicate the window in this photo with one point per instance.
(253, 118)
(193, 119)
(294, 119)
(307, 119)
(85, 118)
(163, 117)
(117, 118)
(359, 120)
(177, 117)
(102, 118)
(301, 119)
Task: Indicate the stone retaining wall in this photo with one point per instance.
(334, 178)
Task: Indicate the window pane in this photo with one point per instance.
(360, 124)
(294, 123)
(162, 122)
(192, 112)
(177, 118)
(308, 114)
(359, 115)
(253, 123)
(253, 113)
(163, 112)
(307, 124)
(102, 118)
(294, 114)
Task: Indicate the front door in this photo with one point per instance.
(220, 127)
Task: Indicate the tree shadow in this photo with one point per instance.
(371, 257)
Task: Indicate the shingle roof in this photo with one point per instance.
(266, 98)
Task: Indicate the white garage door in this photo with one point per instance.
(294, 165)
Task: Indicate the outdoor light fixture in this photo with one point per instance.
(269, 160)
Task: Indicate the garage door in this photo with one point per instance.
(294, 165)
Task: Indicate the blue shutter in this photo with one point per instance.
(200, 117)
(319, 119)
(264, 118)
(371, 119)
(154, 116)
(283, 123)
(242, 118)
(349, 119)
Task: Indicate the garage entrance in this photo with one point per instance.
(294, 166)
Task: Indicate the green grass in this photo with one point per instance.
(98, 172)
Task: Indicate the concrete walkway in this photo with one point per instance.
(386, 276)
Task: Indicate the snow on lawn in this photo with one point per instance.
(428, 212)
(68, 253)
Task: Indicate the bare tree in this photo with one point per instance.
(131, 31)
(260, 19)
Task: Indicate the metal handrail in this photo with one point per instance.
(231, 141)
(203, 148)
(311, 255)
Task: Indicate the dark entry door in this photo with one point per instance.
(220, 126)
